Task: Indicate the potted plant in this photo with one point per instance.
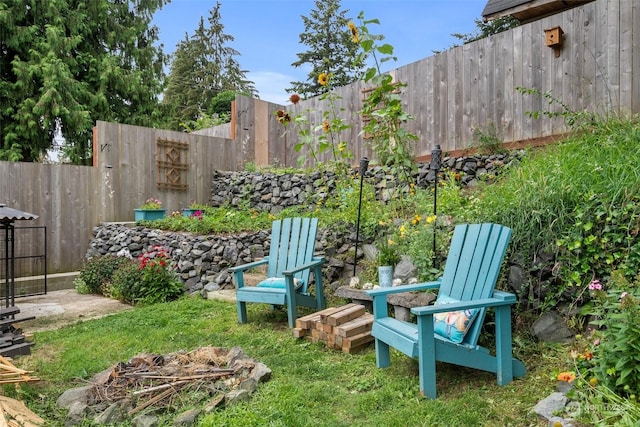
(191, 210)
(388, 258)
(150, 210)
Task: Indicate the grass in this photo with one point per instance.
(310, 386)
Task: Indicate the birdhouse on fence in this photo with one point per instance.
(554, 38)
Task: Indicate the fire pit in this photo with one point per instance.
(148, 383)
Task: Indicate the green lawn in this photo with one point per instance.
(310, 386)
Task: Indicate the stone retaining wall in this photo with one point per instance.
(273, 192)
(203, 261)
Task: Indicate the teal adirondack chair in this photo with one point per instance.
(290, 263)
(465, 292)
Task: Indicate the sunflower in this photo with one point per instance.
(326, 126)
(354, 32)
(323, 78)
(283, 117)
(294, 99)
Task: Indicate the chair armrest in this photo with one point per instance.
(504, 298)
(250, 265)
(403, 288)
(380, 295)
(316, 261)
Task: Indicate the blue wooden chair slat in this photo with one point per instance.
(471, 272)
(291, 257)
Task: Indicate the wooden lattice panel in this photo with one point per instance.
(172, 165)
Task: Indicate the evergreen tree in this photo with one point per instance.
(203, 67)
(332, 49)
(72, 62)
(489, 28)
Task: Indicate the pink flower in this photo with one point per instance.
(595, 285)
(624, 294)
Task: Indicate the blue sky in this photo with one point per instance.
(267, 32)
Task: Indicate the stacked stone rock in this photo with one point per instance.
(203, 261)
(270, 192)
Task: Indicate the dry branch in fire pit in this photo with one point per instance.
(154, 381)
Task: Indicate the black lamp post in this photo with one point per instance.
(436, 164)
(364, 163)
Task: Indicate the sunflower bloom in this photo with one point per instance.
(326, 126)
(323, 78)
(354, 32)
(283, 117)
(294, 99)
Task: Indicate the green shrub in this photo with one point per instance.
(488, 140)
(97, 272)
(125, 284)
(159, 282)
(580, 194)
(80, 286)
(616, 309)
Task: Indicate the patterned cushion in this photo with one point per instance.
(453, 325)
(278, 282)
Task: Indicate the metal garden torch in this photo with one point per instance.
(364, 164)
(436, 164)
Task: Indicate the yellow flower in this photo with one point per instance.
(593, 382)
(323, 78)
(431, 218)
(416, 219)
(342, 146)
(354, 32)
(326, 126)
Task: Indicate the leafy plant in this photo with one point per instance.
(151, 204)
(616, 311)
(488, 140)
(603, 236)
(572, 208)
(315, 139)
(80, 286)
(159, 283)
(391, 142)
(126, 281)
(388, 252)
(572, 118)
(97, 272)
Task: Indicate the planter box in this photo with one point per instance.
(148, 214)
(188, 212)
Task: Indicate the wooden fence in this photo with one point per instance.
(130, 165)
(471, 87)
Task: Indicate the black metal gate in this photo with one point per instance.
(28, 245)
